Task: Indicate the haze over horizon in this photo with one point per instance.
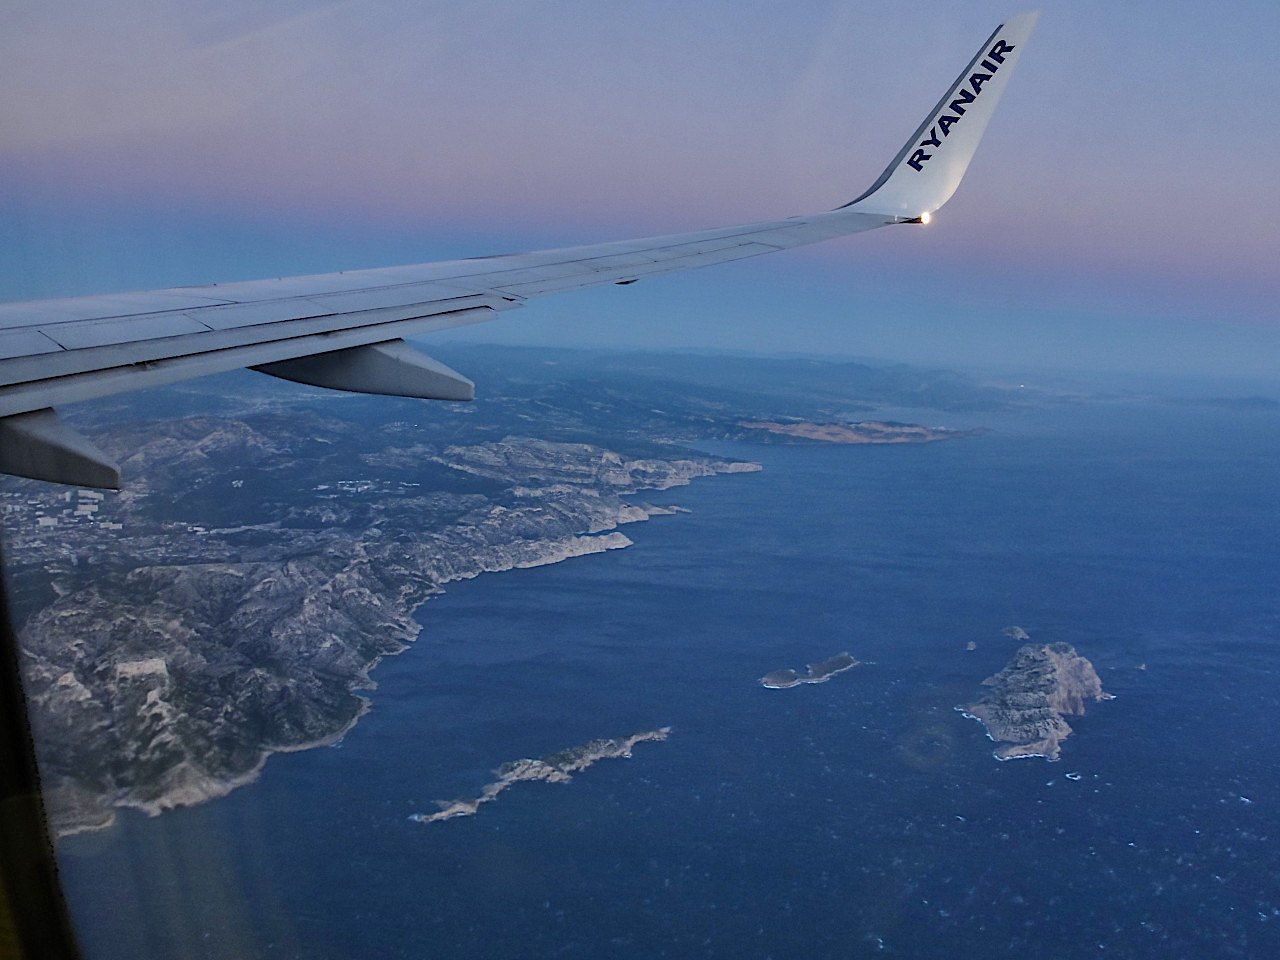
(1116, 216)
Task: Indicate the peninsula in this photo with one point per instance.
(553, 768)
(819, 672)
(1024, 711)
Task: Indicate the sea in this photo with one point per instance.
(861, 817)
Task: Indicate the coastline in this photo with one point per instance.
(72, 809)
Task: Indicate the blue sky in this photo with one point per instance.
(1119, 214)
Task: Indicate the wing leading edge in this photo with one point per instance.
(345, 330)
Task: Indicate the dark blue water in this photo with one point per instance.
(861, 817)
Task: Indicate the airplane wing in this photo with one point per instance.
(346, 330)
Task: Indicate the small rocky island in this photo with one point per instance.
(1024, 711)
(553, 768)
(819, 672)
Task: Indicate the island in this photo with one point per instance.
(863, 431)
(1024, 711)
(553, 768)
(819, 672)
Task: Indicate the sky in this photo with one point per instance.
(1118, 214)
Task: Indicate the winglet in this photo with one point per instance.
(926, 172)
